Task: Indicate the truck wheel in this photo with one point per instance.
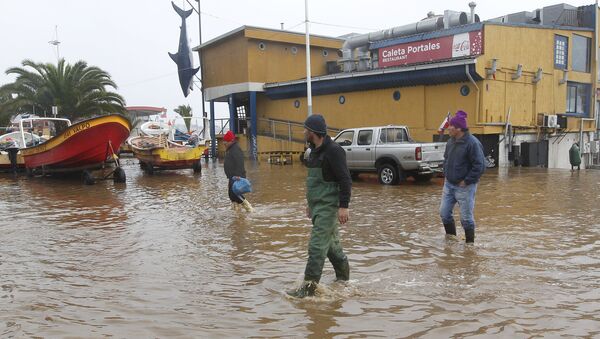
(388, 174)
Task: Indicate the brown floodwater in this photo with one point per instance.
(165, 256)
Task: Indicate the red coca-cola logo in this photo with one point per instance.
(462, 46)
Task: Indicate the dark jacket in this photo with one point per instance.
(464, 160)
(332, 159)
(234, 161)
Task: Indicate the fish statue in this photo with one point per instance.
(183, 57)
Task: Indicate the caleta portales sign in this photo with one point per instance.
(438, 49)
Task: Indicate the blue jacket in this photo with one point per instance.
(464, 160)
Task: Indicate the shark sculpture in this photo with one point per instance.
(183, 57)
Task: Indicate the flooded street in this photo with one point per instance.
(165, 256)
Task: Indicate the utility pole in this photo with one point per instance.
(200, 58)
(308, 78)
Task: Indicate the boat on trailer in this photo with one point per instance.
(85, 146)
(160, 153)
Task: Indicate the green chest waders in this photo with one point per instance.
(323, 201)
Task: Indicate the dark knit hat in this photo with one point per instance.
(459, 120)
(316, 123)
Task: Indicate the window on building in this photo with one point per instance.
(578, 98)
(581, 53)
(561, 51)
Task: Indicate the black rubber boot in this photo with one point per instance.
(450, 228)
(342, 271)
(470, 236)
(307, 289)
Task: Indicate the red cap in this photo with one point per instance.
(229, 136)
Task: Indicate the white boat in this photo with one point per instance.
(17, 140)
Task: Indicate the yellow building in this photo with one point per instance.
(526, 80)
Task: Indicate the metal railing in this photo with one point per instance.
(274, 128)
(285, 129)
(221, 126)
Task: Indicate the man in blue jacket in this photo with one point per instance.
(464, 164)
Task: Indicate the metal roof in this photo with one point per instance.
(245, 27)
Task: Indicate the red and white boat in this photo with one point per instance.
(81, 146)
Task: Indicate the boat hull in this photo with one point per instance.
(81, 145)
(169, 158)
(5, 165)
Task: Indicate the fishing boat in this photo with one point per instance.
(12, 140)
(139, 116)
(160, 153)
(80, 147)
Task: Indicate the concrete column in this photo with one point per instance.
(253, 127)
(213, 137)
(232, 115)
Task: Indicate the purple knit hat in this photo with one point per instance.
(459, 120)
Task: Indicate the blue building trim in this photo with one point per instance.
(432, 76)
(427, 35)
(232, 117)
(254, 126)
(213, 137)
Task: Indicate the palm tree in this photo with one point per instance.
(78, 90)
(5, 115)
(185, 111)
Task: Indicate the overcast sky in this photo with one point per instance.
(130, 38)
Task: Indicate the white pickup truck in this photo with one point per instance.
(389, 151)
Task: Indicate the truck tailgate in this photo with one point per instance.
(433, 152)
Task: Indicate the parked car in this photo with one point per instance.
(391, 152)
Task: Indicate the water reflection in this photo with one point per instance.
(165, 255)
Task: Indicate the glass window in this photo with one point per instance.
(561, 46)
(581, 53)
(391, 135)
(578, 98)
(365, 137)
(345, 139)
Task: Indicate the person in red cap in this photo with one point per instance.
(234, 168)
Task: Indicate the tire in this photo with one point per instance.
(88, 178)
(197, 167)
(148, 168)
(388, 174)
(29, 172)
(354, 175)
(119, 175)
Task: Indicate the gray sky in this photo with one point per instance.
(130, 38)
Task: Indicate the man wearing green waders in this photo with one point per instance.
(328, 189)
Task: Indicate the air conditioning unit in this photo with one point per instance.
(595, 146)
(586, 148)
(551, 121)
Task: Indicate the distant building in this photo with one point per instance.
(526, 80)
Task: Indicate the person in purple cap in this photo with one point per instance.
(464, 164)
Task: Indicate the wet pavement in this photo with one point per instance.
(165, 256)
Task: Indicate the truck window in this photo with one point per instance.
(365, 137)
(392, 135)
(345, 139)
